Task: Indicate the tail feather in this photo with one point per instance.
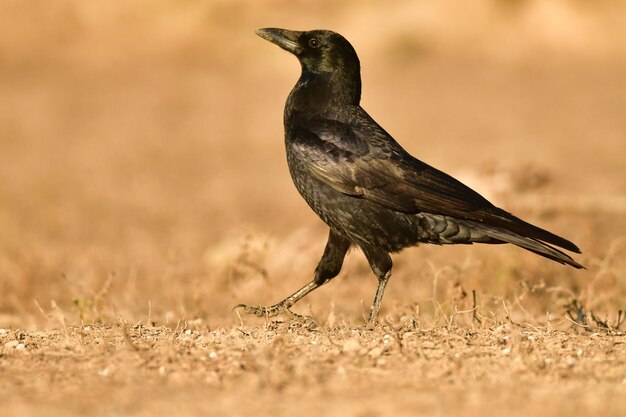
(533, 245)
(523, 228)
(436, 228)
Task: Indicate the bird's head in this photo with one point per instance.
(319, 51)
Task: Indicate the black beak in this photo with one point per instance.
(286, 39)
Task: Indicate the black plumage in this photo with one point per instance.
(370, 192)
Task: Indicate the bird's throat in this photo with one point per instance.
(325, 90)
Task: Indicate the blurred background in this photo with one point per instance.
(142, 168)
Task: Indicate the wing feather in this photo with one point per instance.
(358, 158)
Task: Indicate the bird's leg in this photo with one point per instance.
(378, 298)
(381, 264)
(328, 268)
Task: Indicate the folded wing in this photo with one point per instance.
(361, 160)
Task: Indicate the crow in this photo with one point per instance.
(371, 192)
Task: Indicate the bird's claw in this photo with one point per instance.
(261, 311)
(275, 310)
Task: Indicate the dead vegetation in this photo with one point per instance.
(278, 367)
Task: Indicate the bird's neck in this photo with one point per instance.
(319, 91)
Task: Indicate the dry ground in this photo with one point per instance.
(144, 192)
(279, 369)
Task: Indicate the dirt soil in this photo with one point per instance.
(144, 192)
(281, 369)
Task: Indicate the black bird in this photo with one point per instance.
(370, 191)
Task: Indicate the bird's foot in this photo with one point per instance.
(262, 311)
(275, 310)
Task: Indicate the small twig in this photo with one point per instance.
(326, 333)
(521, 307)
(475, 308)
(175, 333)
(150, 323)
(41, 310)
(579, 310)
(127, 339)
(238, 316)
(568, 317)
(606, 324)
(396, 329)
(621, 318)
(508, 315)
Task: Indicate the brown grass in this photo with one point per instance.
(143, 180)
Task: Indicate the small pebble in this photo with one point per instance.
(11, 344)
(376, 352)
(351, 345)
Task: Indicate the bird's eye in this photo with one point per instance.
(314, 43)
